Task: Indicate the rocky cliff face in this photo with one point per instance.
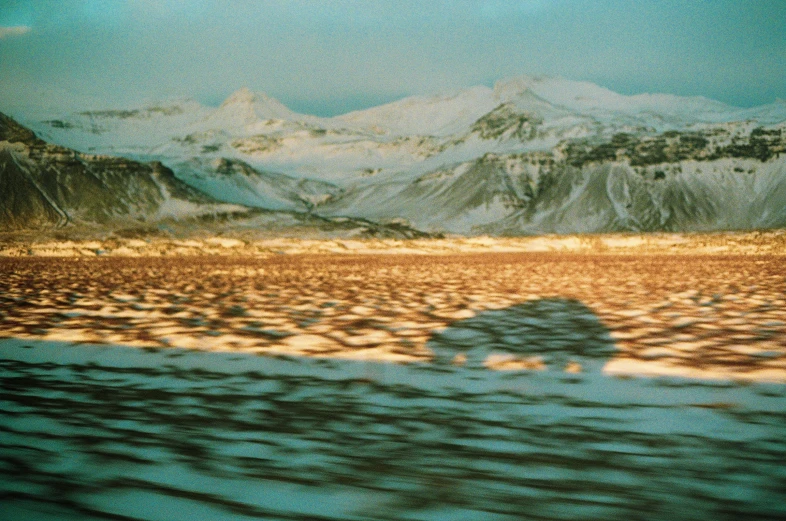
(717, 179)
(50, 185)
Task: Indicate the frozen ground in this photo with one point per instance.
(471, 386)
(98, 432)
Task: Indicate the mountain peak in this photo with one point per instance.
(255, 105)
(246, 96)
(541, 85)
(240, 96)
(509, 87)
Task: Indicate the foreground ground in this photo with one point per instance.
(705, 316)
(519, 394)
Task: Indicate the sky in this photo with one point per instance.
(327, 57)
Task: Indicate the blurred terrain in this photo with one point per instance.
(343, 386)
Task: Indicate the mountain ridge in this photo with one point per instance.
(529, 155)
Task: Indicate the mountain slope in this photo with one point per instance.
(614, 197)
(421, 115)
(46, 184)
(675, 182)
(237, 182)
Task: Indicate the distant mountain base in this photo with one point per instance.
(255, 241)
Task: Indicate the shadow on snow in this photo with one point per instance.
(557, 330)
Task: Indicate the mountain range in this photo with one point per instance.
(530, 155)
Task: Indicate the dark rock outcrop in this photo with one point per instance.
(49, 185)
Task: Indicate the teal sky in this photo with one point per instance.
(331, 56)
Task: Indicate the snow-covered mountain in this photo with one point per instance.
(51, 187)
(50, 184)
(530, 155)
